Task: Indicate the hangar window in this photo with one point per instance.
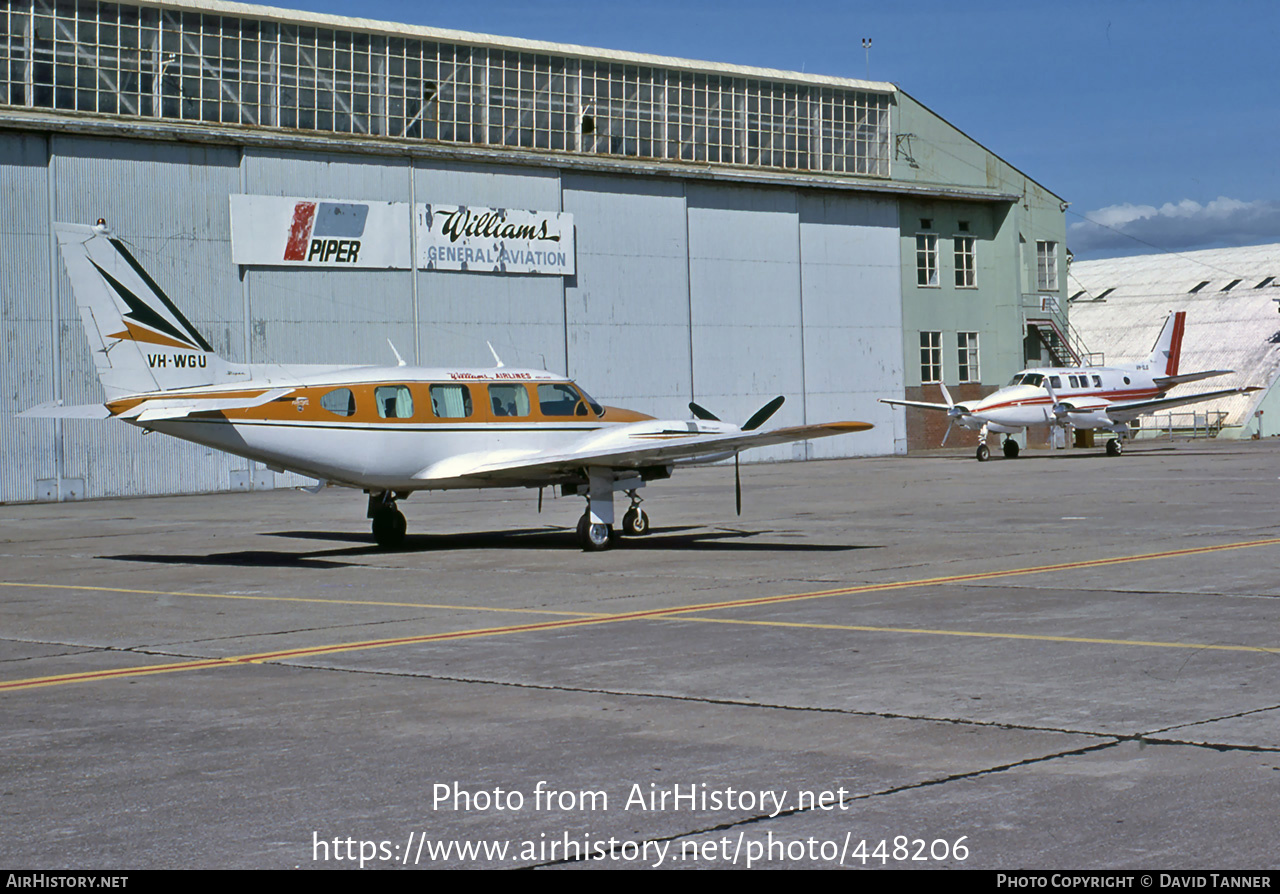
(509, 400)
(1195, 289)
(1047, 266)
(930, 358)
(1264, 283)
(927, 260)
(967, 349)
(451, 401)
(340, 402)
(966, 262)
(140, 60)
(1231, 285)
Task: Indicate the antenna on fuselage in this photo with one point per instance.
(399, 359)
(496, 358)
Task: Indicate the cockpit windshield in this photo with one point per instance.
(595, 407)
(1033, 379)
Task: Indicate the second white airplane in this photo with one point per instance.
(1101, 398)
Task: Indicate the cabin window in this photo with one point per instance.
(451, 401)
(1097, 381)
(394, 401)
(1055, 381)
(509, 400)
(560, 400)
(339, 402)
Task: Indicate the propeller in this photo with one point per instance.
(737, 484)
(702, 412)
(758, 418)
(761, 416)
(1059, 409)
(953, 412)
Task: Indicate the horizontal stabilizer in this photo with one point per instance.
(1163, 382)
(177, 407)
(55, 410)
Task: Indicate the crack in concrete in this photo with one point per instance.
(1143, 738)
(894, 790)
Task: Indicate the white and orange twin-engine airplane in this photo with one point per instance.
(386, 430)
(1105, 398)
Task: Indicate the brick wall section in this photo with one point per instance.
(925, 428)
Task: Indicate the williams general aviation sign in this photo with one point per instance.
(270, 231)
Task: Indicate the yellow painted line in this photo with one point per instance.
(305, 599)
(1087, 640)
(673, 611)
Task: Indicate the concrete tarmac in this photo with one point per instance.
(1061, 661)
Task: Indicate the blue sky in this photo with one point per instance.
(1159, 120)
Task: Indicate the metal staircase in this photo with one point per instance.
(1048, 322)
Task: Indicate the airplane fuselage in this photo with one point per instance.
(403, 428)
(1088, 391)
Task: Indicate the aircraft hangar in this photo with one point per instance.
(1230, 296)
(733, 233)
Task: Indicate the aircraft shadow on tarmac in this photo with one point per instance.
(690, 538)
(1089, 453)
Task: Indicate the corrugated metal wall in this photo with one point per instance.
(727, 294)
(26, 320)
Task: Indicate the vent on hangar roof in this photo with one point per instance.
(1199, 287)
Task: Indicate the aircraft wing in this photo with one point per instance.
(1127, 411)
(646, 446)
(915, 403)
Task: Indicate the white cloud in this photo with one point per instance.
(1174, 226)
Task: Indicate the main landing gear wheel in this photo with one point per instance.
(593, 538)
(1010, 447)
(635, 523)
(984, 453)
(1114, 447)
(388, 528)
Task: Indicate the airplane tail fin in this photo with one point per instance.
(140, 340)
(1168, 350)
